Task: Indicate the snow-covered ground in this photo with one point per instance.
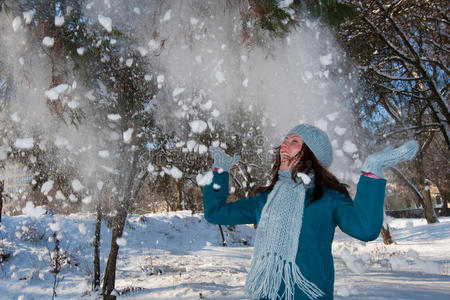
(179, 256)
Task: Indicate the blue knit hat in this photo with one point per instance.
(317, 140)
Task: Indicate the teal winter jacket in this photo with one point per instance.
(361, 218)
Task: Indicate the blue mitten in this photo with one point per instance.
(223, 160)
(375, 163)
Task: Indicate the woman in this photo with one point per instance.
(298, 212)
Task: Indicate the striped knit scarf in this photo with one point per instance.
(276, 244)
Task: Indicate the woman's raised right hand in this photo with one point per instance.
(223, 160)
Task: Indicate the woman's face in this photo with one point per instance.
(291, 146)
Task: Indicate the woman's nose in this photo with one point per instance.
(284, 145)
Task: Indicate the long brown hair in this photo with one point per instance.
(308, 161)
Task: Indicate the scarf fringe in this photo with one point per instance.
(268, 272)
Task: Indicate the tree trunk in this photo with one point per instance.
(224, 241)
(56, 264)
(122, 207)
(180, 203)
(445, 212)
(1, 198)
(98, 226)
(130, 193)
(428, 209)
(170, 207)
(444, 192)
(110, 272)
(386, 234)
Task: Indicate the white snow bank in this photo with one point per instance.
(179, 255)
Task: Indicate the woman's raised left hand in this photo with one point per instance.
(223, 160)
(376, 162)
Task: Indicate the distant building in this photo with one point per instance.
(17, 180)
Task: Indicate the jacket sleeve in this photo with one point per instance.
(362, 218)
(218, 211)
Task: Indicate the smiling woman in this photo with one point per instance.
(289, 150)
(298, 212)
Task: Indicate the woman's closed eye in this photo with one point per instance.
(292, 140)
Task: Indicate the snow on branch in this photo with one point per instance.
(397, 91)
(390, 77)
(386, 135)
(408, 182)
